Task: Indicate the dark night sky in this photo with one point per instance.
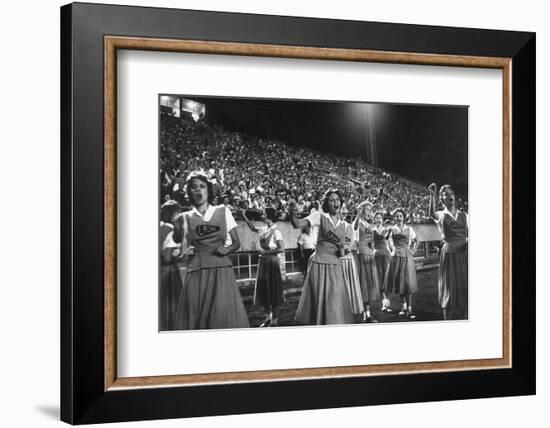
(422, 142)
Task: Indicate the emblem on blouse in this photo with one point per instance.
(206, 229)
(332, 237)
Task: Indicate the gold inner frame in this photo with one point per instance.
(113, 43)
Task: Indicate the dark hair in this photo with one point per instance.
(199, 175)
(380, 213)
(271, 214)
(168, 209)
(324, 199)
(399, 210)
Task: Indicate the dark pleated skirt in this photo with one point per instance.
(269, 284)
(211, 299)
(453, 280)
(402, 276)
(324, 298)
(368, 278)
(382, 263)
(170, 290)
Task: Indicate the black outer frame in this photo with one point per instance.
(83, 399)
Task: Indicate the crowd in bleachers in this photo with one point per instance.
(253, 173)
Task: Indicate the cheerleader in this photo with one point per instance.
(453, 264)
(324, 298)
(368, 275)
(210, 297)
(269, 284)
(402, 271)
(382, 258)
(171, 254)
(351, 276)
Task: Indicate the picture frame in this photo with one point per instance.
(91, 392)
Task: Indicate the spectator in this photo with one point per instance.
(253, 168)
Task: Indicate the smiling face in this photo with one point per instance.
(333, 203)
(199, 191)
(398, 217)
(447, 197)
(378, 219)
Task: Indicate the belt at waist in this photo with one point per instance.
(458, 246)
(208, 260)
(403, 252)
(327, 257)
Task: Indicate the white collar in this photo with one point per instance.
(401, 230)
(446, 211)
(327, 215)
(207, 214)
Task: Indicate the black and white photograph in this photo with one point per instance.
(287, 212)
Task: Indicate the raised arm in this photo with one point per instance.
(357, 218)
(432, 188)
(249, 223)
(359, 213)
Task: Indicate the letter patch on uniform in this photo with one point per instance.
(206, 229)
(332, 237)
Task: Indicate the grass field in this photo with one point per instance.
(425, 304)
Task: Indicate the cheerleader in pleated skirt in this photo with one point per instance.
(268, 291)
(453, 264)
(325, 298)
(382, 258)
(210, 298)
(402, 270)
(351, 276)
(368, 275)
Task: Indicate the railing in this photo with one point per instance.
(245, 264)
